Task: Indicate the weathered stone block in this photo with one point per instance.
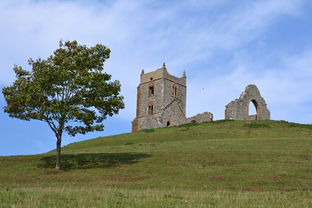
(199, 118)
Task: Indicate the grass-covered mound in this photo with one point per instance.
(215, 164)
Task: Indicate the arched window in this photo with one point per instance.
(175, 90)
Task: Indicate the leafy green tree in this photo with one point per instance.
(68, 90)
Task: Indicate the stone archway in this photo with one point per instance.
(239, 108)
(253, 116)
(168, 123)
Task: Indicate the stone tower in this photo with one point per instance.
(161, 100)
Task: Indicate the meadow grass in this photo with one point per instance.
(148, 198)
(214, 164)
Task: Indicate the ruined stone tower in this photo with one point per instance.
(161, 101)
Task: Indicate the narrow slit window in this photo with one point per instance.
(150, 109)
(151, 91)
(175, 90)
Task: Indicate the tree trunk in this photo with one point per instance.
(58, 153)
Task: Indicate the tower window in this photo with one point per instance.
(151, 91)
(150, 109)
(175, 90)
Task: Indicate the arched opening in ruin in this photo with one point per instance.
(253, 110)
(168, 123)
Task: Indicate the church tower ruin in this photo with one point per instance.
(161, 101)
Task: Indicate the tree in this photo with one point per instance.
(68, 90)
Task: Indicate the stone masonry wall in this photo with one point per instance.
(199, 118)
(239, 108)
(169, 108)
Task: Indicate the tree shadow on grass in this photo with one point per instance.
(92, 160)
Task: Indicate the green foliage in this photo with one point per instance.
(66, 90)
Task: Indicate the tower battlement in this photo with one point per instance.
(162, 73)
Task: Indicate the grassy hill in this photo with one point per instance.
(215, 164)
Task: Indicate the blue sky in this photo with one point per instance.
(223, 45)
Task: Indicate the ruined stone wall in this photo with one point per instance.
(239, 108)
(199, 118)
(169, 108)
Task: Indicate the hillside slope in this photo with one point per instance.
(222, 157)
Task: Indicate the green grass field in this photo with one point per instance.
(216, 164)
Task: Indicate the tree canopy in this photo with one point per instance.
(68, 90)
